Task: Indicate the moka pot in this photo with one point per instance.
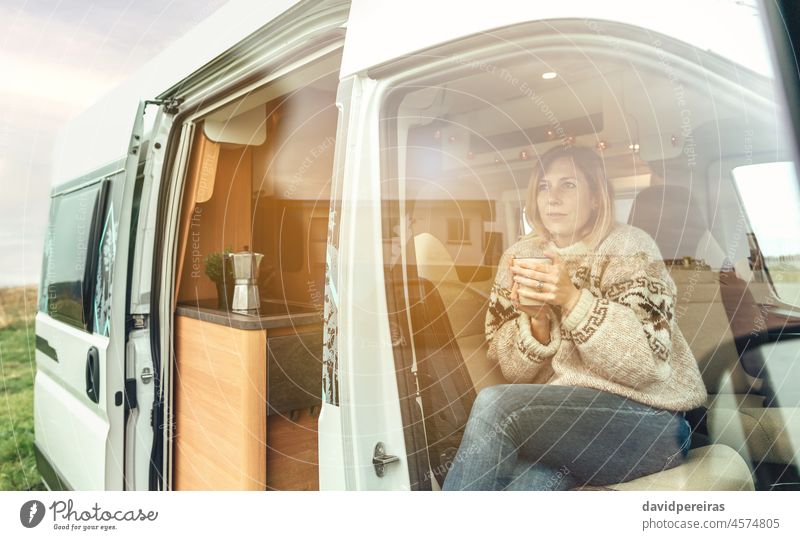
(245, 275)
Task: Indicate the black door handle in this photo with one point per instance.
(93, 374)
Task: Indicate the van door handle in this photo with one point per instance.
(93, 374)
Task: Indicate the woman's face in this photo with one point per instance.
(564, 201)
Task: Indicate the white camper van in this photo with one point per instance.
(376, 154)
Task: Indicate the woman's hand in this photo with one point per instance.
(540, 313)
(540, 316)
(548, 283)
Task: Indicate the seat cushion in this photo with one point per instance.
(759, 434)
(735, 401)
(482, 372)
(710, 468)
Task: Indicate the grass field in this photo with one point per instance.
(17, 368)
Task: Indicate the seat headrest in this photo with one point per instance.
(669, 215)
(434, 262)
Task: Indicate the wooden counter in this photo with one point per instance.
(272, 314)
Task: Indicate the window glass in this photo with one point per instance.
(67, 252)
(771, 198)
(460, 144)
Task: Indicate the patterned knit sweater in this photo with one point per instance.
(621, 337)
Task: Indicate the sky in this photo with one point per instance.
(57, 57)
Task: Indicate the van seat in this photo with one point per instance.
(465, 304)
(710, 468)
(703, 321)
(482, 372)
(760, 434)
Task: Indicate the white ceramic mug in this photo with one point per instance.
(523, 300)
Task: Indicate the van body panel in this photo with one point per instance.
(72, 432)
(409, 27)
(369, 385)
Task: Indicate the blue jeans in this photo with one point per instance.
(549, 437)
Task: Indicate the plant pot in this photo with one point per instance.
(224, 294)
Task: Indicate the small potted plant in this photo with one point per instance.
(218, 269)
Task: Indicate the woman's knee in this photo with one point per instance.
(491, 398)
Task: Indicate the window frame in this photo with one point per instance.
(100, 207)
(399, 77)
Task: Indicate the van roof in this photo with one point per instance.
(100, 135)
(402, 28)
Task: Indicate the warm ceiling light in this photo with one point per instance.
(547, 75)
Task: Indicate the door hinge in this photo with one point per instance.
(171, 105)
(380, 459)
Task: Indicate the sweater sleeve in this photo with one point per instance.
(521, 356)
(625, 335)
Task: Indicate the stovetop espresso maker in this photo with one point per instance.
(245, 274)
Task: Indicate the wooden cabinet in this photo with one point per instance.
(220, 407)
(224, 438)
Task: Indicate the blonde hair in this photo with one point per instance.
(602, 220)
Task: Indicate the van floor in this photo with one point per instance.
(292, 451)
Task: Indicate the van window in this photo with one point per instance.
(460, 140)
(770, 195)
(70, 256)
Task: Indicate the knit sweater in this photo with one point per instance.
(621, 336)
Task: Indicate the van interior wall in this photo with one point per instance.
(291, 188)
(222, 222)
(272, 198)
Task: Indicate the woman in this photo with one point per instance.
(606, 371)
